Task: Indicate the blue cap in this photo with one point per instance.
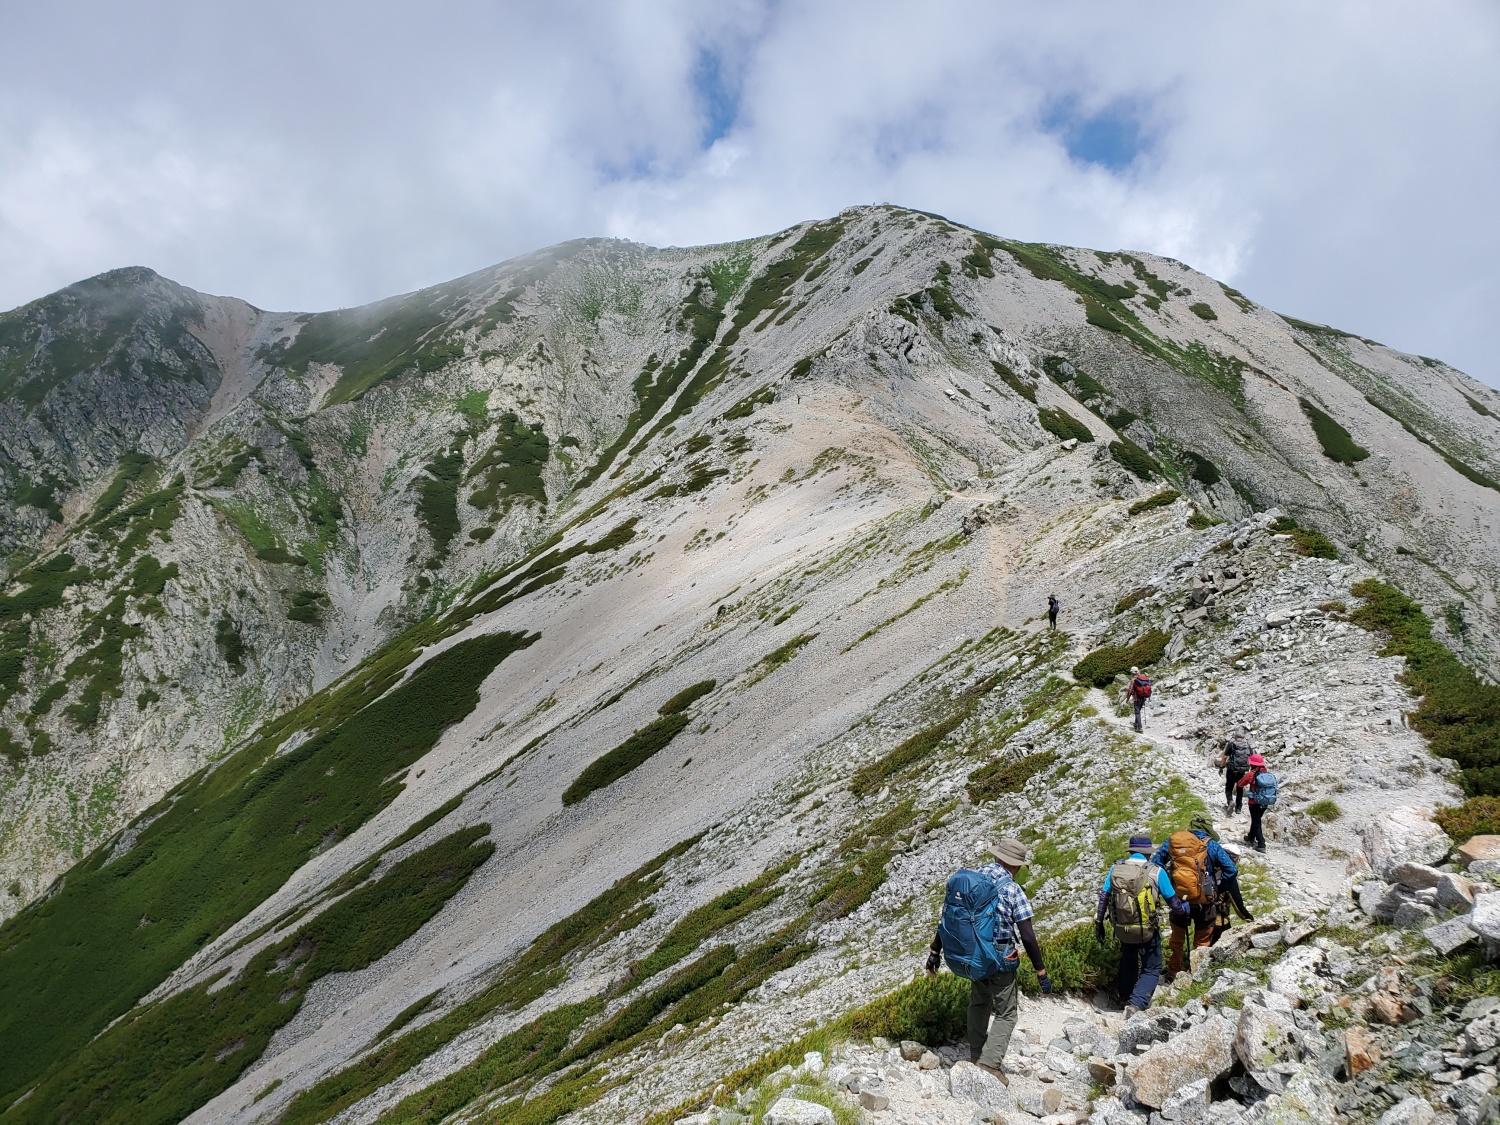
(1140, 843)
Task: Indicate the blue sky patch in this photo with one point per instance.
(1112, 138)
(717, 97)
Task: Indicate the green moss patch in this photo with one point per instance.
(1307, 540)
(1135, 459)
(1458, 712)
(1062, 425)
(1101, 666)
(1205, 472)
(1335, 440)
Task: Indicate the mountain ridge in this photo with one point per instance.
(812, 468)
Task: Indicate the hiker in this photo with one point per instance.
(1132, 896)
(1053, 605)
(1261, 784)
(1228, 897)
(1234, 761)
(984, 912)
(1137, 691)
(1197, 865)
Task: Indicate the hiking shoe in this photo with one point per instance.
(1260, 847)
(1131, 1010)
(994, 1072)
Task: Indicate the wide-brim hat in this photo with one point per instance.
(1139, 843)
(1011, 851)
(1257, 760)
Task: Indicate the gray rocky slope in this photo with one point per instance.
(824, 470)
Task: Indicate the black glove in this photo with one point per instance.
(1046, 983)
(934, 960)
(1099, 932)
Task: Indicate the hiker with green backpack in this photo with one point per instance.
(986, 916)
(1198, 866)
(1132, 897)
(1262, 786)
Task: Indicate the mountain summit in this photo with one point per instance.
(561, 689)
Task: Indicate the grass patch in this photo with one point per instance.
(1135, 459)
(1161, 499)
(635, 751)
(1325, 810)
(1307, 540)
(872, 776)
(1014, 381)
(172, 1056)
(1130, 600)
(1204, 471)
(1478, 407)
(687, 697)
(437, 498)
(1337, 444)
(220, 843)
(1007, 775)
(1062, 425)
(511, 469)
(1101, 666)
(1203, 311)
(1458, 712)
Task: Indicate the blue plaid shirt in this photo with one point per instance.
(1014, 905)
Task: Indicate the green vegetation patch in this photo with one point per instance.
(635, 751)
(1203, 311)
(42, 495)
(1478, 816)
(1135, 459)
(1205, 472)
(1461, 467)
(1478, 407)
(437, 498)
(307, 607)
(1130, 600)
(1324, 810)
(1062, 425)
(1007, 775)
(169, 1058)
(220, 843)
(1101, 666)
(230, 644)
(871, 777)
(1307, 540)
(511, 469)
(1162, 499)
(1335, 440)
(1014, 381)
(1458, 712)
(687, 697)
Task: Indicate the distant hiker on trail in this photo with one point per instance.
(1234, 761)
(1132, 897)
(1053, 605)
(1261, 784)
(1197, 865)
(1137, 691)
(985, 912)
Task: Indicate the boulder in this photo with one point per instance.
(1484, 920)
(794, 1111)
(1454, 892)
(1413, 916)
(1103, 1071)
(1187, 1104)
(929, 1061)
(1295, 976)
(1450, 936)
(910, 1051)
(873, 1101)
(1308, 1096)
(1360, 1053)
(1412, 1111)
(1206, 1052)
(986, 1091)
(1479, 848)
(1403, 834)
(1417, 876)
(1482, 1034)
(1265, 1037)
(1112, 1111)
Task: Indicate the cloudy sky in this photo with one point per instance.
(1336, 160)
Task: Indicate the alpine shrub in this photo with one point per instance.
(1007, 775)
(1062, 425)
(1134, 458)
(1161, 500)
(1335, 440)
(1101, 666)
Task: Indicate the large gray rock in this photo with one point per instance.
(1450, 936)
(794, 1111)
(1413, 916)
(1206, 1051)
(1454, 892)
(1188, 1103)
(1296, 977)
(986, 1091)
(1307, 1097)
(1412, 1111)
(1482, 1034)
(1484, 920)
(1401, 835)
(1265, 1037)
(1417, 876)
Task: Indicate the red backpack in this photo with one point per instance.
(1141, 686)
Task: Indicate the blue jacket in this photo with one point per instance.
(1220, 864)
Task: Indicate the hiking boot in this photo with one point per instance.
(1259, 846)
(994, 1072)
(1131, 1010)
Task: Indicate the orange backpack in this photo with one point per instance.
(1187, 864)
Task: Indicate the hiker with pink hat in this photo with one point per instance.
(1260, 784)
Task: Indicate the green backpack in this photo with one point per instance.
(1134, 901)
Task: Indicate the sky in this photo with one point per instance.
(1336, 160)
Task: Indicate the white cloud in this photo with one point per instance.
(1333, 160)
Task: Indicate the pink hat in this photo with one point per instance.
(1257, 760)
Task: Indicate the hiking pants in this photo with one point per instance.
(995, 996)
(1202, 918)
(1138, 703)
(1052, 620)
(1231, 792)
(1256, 835)
(1140, 969)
